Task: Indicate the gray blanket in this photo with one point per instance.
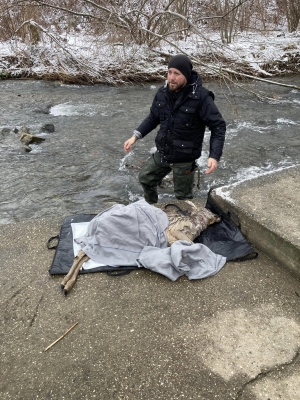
(135, 234)
(118, 235)
(196, 261)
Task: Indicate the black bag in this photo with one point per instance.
(64, 254)
(225, 237)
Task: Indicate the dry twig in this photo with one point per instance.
(57, 340)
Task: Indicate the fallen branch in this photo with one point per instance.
(85, 68)
(256, 78)
(221, 70)
(57, 340)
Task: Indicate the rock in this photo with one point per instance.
(5, 131)
(43, 109)
(48, 128)
(24, 129)
(27, 148)
(26, 138)
(29, 138)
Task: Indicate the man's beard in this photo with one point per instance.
(175, 88)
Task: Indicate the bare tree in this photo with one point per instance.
(141, 22)
(291, 9)
(229, 9)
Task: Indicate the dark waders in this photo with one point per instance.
(154, 171)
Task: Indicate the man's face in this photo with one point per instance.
(176, 80)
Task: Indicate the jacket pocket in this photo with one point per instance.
(185, 116)
(182, 150)
(183, 146)
(161, 106)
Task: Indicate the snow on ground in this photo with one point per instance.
(258, 53)
(226, 191)
(257, 50)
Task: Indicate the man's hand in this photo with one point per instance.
(129, 143)
(212, 165)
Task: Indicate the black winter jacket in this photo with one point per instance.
(183, 120)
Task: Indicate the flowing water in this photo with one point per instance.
(82, 167)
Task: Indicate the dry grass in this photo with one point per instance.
(290, 64)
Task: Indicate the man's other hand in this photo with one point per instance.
(212, 165)
(129, 143)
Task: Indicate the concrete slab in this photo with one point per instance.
(235, 335)
(268, 209)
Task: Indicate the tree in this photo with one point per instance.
(291, 9)
(147, 23)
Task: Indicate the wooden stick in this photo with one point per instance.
(57, 340)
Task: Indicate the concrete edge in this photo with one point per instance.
(278, 249)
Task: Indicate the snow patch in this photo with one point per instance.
(245, 175)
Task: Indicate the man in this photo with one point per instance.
(183, 108)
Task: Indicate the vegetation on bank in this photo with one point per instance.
(112, 41)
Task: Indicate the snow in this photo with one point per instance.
(248, 174)
(257, 49)
(95, 57)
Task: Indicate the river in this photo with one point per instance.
(82, 167)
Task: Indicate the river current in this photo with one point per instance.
(81, 167)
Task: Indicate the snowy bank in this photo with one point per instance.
(87, 59)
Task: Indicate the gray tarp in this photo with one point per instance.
(196, 261)
(117, 235)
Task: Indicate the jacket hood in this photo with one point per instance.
(195, 79)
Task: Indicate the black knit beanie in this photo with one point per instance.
(183, 64)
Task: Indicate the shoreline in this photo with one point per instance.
(249, 56)
(132, 79)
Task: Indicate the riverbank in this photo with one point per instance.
(235, 335)
(83, 59)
